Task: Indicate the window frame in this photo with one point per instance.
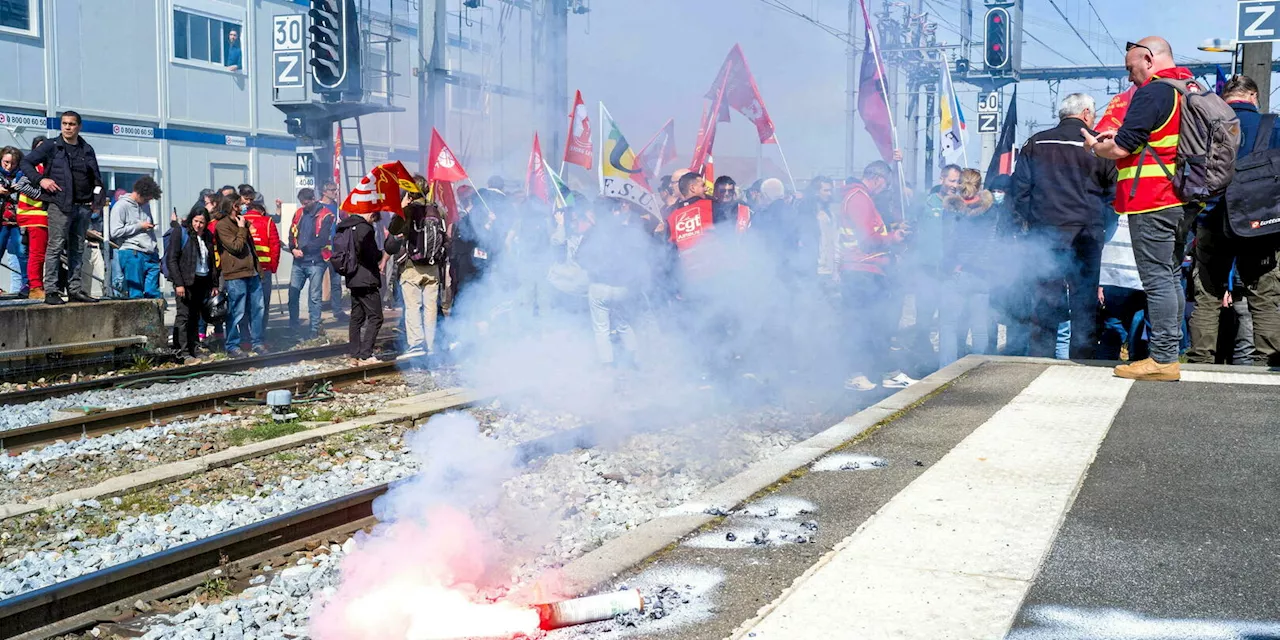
(33, 28)
(176, 8)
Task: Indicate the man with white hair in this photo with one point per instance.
(1063, 191)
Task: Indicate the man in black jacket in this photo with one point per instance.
(1061, 190)
(71, 179)
(365, 286)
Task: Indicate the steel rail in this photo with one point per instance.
(63, 607)
(228, 365)
(107, 421)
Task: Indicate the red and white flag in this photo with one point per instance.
(577, 147)
(660, 151)
(380, 190)
(337, 154)
(706, 136)
(535, 179)
(742, 94)
(444, 166)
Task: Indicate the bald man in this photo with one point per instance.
(1158, 220)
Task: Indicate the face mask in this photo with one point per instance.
(998, 196)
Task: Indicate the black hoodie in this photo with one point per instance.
(367, 253)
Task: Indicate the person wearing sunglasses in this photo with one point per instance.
(1158, 220)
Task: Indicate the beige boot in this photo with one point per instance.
(1150, 370)
(36, 294)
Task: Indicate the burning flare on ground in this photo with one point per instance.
(419, 583)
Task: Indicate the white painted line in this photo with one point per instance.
(954, 553)
(1218, 377)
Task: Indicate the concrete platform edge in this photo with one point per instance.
(597, 568)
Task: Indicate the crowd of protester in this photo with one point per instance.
(1078, 254)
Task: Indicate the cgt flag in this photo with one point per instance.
(443, 164)
(621, 175)
(380, 190)
(660, 150)
(741, 93)
(535, 179)
(577, 147)
(1002, 161)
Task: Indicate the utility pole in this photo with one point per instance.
(851, 99)
(432, 34)
(1257, 65)
(931, 106)
(550, 70)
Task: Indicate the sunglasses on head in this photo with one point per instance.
(1129, 46)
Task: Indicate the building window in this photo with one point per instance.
(204, 39)
(20, 16)
(465, 99)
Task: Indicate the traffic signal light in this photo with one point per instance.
(335, 46)
(999, 40)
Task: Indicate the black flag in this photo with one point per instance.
(1002, 161)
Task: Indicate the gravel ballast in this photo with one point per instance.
(588, 497)
(15, 416)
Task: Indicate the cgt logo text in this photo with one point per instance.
(1258, 224)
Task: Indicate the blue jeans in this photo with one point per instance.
(1124, 321)
(312, 276)
(242, 293)
(11, 244)
(1062, 348)
(141, 274)
(966, 306)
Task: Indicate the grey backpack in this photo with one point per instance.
(1208, 139)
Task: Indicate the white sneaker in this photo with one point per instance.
(900, 381)
(416, 352)
(859, 383)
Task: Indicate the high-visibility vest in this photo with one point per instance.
(1142, 185)
(690, 223)
(853, 256)
(322, 213)
(265, 243)
(31, 213)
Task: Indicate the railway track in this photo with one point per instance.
(219, 366)
(23, 438)
(82, 602)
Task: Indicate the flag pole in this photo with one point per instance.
(785, 165)
(884, 93)
(477, 189)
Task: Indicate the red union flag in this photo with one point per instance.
(1113, 115)
(443, 164)
(337, 154)
(742, 94)
(660, 151)
(535, 179)
(380, 190)
(577, 147)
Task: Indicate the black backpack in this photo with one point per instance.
(426, 241)
(344, 257)
(1253, 198)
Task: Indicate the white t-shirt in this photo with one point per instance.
(202, 263)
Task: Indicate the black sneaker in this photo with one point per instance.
(81, 296)
(53, 298)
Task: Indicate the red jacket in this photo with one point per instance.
(266, 240)
(864, 238)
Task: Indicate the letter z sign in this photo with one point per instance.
(1258, 21)
(287, 52)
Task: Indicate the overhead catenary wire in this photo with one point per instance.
(1077, 32)
(1104, 26)
(843, 36)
